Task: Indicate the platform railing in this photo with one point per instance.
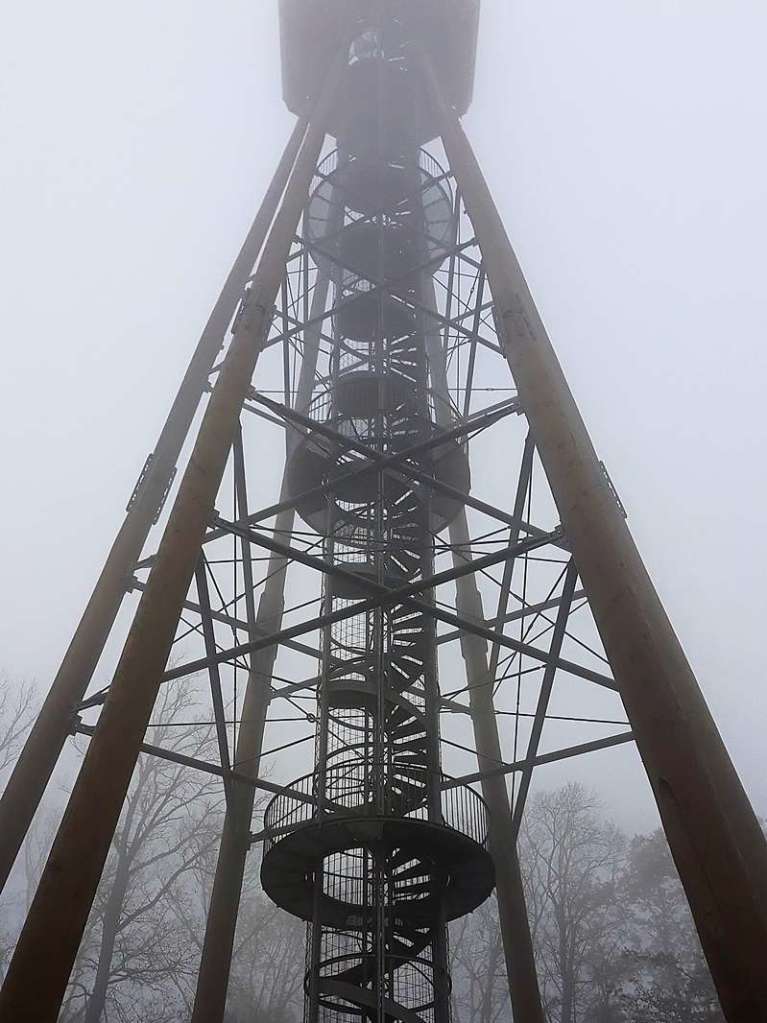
(462, 809)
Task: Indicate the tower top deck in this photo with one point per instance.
(311, 31)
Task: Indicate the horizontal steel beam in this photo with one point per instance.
(382, 599)
(235, 623)
(396, 462)
(513, 616)
(392, 464)
(405, 594)
(207, 767)
(412, 304)
(544, 758)
(468, 779)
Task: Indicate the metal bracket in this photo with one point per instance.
(612, 490)
(241, 310)
(140, 482)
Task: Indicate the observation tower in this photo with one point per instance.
(444, 546)
(386, 857)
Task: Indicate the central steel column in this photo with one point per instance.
(41, 965)
(512, 911)
(715, 838)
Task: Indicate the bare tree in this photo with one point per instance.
(614, 938)
(572, 859)
(668, 979)
(266, 981)
(135, 958)
(268, 965)
(17, 712)
(188, 903)
(478, 968)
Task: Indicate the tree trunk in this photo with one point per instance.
(567, 1000)
(490, 993)
(568, 970)
(109, 926)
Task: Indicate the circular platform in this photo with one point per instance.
(407, 196)
(311, 466)
(357, 393)
(464, 867)
(365, 316)
(380, 253)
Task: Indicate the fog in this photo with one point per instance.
(624, 146)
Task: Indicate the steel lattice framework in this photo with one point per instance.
(387, 599)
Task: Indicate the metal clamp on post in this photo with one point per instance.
(139, 483)
(613, 491)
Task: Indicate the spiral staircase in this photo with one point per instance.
(387, 853)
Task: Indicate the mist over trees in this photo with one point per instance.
(135, 940)
(613, 934)
(614, 939)
(17, 712)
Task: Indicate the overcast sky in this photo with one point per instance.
(624, 142)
